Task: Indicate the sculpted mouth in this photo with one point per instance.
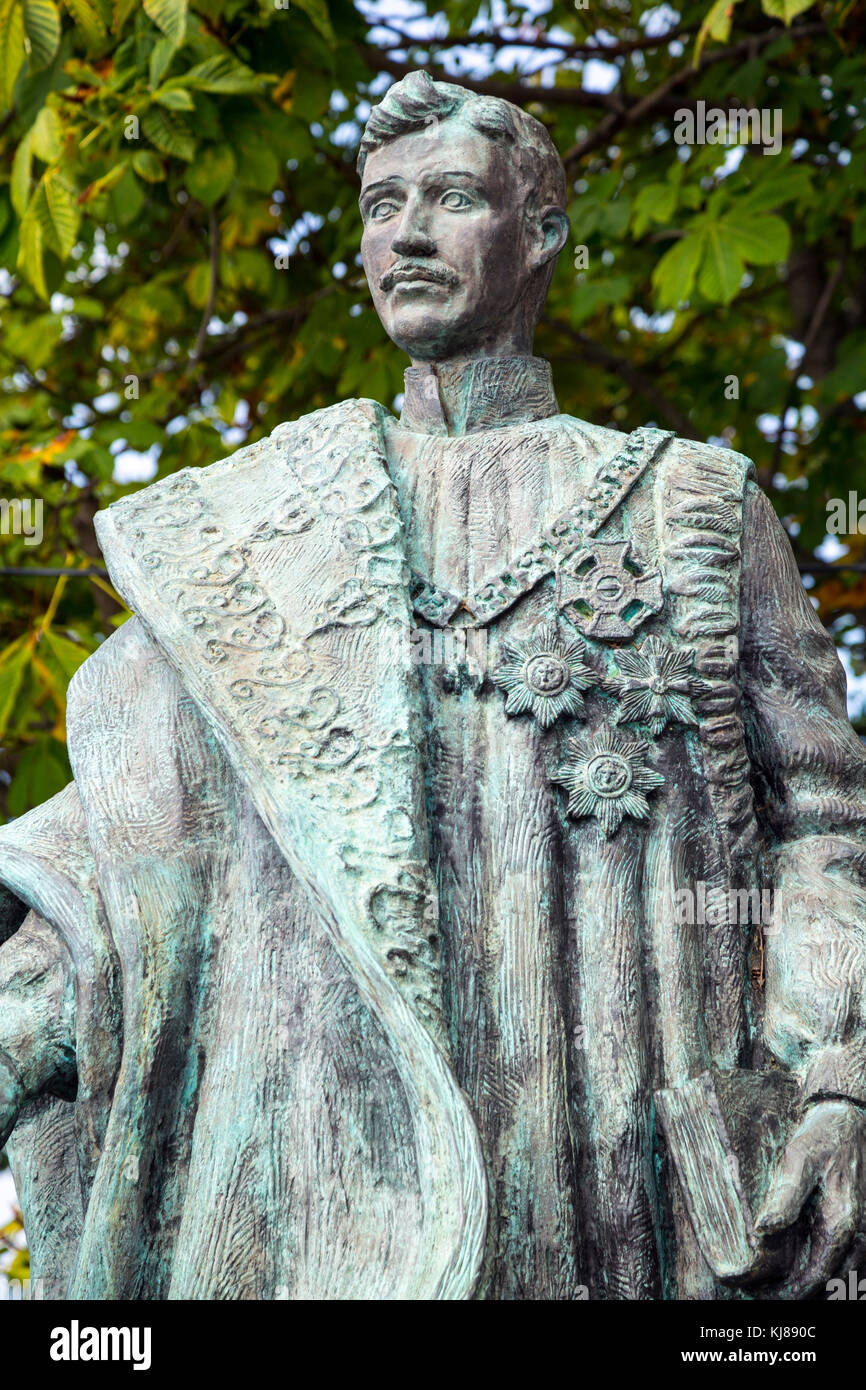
(406, 273)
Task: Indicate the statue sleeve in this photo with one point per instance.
(809, 775)
(59, 1005)
(37, 1039)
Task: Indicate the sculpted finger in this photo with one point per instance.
(793, 1183)
(834, 1231)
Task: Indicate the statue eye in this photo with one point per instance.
(455, 200)
(385, 208)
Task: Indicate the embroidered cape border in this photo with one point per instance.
(612, 483)
(701, 497)
(274, 583)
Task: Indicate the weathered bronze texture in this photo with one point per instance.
(356, 960)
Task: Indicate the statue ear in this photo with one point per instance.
(553, 227)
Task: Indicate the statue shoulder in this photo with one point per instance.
(725, 467)
(713, 462)
(121, 661)
(198, 520)
(251, 464)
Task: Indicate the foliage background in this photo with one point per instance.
(179, 268)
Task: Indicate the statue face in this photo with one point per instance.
(447, 250)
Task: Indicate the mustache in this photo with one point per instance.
(419, 269)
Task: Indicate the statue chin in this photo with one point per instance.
(429, 323)
(431, 330)
(424, 336)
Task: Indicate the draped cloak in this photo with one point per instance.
(356, 1008)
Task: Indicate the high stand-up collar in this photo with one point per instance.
(480, 394)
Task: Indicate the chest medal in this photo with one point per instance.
(605, 591)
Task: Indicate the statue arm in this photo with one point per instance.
(59, 1015)
(810, 782)
(37, 1047)
(809, 775)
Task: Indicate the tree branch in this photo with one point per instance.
(818, 317)
(619, 114)
(515, 92)
(645, 386)
(195, 355)
(538, 39)
(640, 110)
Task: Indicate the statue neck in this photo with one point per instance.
(479, 394)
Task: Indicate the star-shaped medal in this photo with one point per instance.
(606, 777)
(545, 676)
(654, 685)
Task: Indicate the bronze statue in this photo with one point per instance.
(354, 962)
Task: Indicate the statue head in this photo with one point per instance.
(463, 200)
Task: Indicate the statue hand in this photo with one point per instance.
(11, 1097)
(825, 1156)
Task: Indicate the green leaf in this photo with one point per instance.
(136, 434)
(716, 25)
(311, 95)
(68, 656)
(148, 166)
(655, 202)
(594, 294)
(46, 135)
(780, 184)
(222, 73)
(32, 246)
(160, 59)
(197, 284)
(105, 183)
(174, 99)
(318, 13)
(674, 275)
(42, 27)
(168, 133)
(122, 11)
(35, 343)
(13, 667)
(259, 168)
(614, 217)
(211, 174)
(22, 165)
(785, 9)
(169, 16)
(42, 771)
(88, 19)
(758, 240)
(127, 199)
(86, 307)
(12, 51)
(847, 377)
(717, 200)
(250, 269)
(721, 268)
(63, 211)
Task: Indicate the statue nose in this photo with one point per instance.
(412, 237)
(413, 241)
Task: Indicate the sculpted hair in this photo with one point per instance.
(417, 101)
